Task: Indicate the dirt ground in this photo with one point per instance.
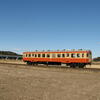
(19, 82)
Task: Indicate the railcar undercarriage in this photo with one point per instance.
(72, 65)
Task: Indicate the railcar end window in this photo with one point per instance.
(87, 55)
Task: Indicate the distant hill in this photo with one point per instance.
(9, 53)
(96, 59)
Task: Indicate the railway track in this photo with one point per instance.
(57, 68)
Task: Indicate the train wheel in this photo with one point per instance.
(81, 65)
(29, 63)
(72, 65)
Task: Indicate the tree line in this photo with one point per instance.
(9, 53)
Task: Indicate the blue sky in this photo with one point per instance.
(50, 24)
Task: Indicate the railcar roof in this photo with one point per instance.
(86, 51)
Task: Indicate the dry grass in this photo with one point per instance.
(12, 61)
(33, 83)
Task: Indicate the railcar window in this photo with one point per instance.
(82, 55)
(53, 55)
(78, 55)
(73, 55)
(67, 55)
(58, 55)
(43, 55)
(39, 55)
(48, 55)
(26, 55)
(29, 55)
(35, 55)
(63, 55)
(87, 55)
(32, 55)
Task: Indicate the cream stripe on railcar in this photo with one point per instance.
(81, 55)
(69, 55)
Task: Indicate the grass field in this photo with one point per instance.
(19, 82)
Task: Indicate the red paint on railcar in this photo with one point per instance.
(62, 60)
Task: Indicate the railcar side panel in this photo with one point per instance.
(71, 57)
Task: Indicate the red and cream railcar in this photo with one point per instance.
(70, 58)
